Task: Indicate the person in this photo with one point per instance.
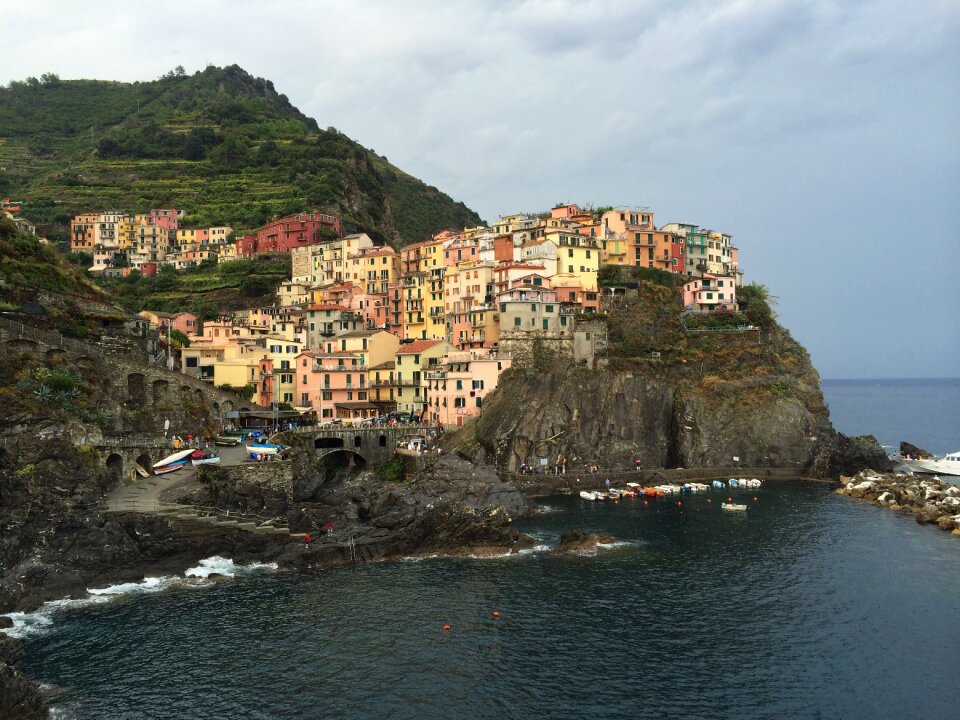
(607, 483)
(636, 464)
(306, 541)
(329, 528)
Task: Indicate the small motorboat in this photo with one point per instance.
(719, 485)
(205, 460)
(734, 507)
(227, 440)
(947, 465)
(592, 495)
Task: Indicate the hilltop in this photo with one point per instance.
(222, 145)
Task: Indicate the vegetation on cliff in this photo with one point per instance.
(220, 144)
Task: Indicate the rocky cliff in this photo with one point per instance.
(670, 398)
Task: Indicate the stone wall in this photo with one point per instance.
(140, 396)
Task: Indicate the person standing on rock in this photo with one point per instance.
(329, 528)
(306, 541)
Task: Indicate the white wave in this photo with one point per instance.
(616, 544)
(147, 585)
(225, 566)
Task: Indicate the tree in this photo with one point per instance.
(178, 340)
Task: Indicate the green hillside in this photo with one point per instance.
(220, 144)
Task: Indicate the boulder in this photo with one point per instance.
(578, 542)
(913, 451)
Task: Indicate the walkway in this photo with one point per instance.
(143, 495)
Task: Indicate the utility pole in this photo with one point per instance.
(169, 347)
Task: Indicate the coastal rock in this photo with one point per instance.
(930, 499)
(913, 451)
(579, 542)
(20, 698)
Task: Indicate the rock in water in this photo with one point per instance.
(913, 451)
(578, 542)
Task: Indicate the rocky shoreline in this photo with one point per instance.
(933, 501)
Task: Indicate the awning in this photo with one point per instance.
(356, 406)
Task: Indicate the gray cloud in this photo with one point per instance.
(820, 133)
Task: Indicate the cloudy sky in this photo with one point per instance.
(823, 135)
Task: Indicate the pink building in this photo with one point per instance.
(456, 390)
(711, 292)
(334, 384)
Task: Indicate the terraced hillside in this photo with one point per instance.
(222, 145)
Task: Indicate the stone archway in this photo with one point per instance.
(335, 467)
(145, 462)
(115, 467)
(322, 443)
(56, 356)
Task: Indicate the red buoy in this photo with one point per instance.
(496, 613)
(446, 627)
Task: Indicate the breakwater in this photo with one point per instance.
(934, 501)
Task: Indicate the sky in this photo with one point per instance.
(824, 136)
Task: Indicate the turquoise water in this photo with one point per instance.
(808, 606)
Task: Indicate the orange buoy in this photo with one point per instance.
(729, 499)
(496, 613)
(446, 627)
(616, 502)
(680, 503)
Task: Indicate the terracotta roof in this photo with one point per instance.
(417, 347)
(389, 365)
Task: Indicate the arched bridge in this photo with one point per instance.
(372, 444)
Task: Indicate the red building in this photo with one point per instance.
(282, 235)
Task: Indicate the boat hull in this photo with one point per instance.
(173, 467)
(205, 461)
(933, 467)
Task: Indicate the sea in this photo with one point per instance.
(809, 605)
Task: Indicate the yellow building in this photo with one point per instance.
(578, 256)
(413, 360)
(415, 288)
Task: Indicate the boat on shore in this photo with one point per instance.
(172, 462)
(199, 458)
(947, 465)
(264, 449)
(227, 440)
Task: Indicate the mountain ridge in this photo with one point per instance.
(222, 145)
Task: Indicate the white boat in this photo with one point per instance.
(592, 495)
(175, 457)
(947, 465)
(206, 460)
(734, 506)
(263, 448)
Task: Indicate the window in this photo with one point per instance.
(516, 322)
(479, 401)
(563, 321)
(459, 402)
(191, 362)
(459, 384)
(549, 308)
(546, 324)
(304, 379)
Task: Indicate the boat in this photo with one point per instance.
(228, 440)
(734, 506)
(264, 449)
(947, 465)
(205, 460)
(174, 458)
(592, 495)
(613, 494)
(719, 485)
(163, 469)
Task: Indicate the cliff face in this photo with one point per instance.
(671, 399)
